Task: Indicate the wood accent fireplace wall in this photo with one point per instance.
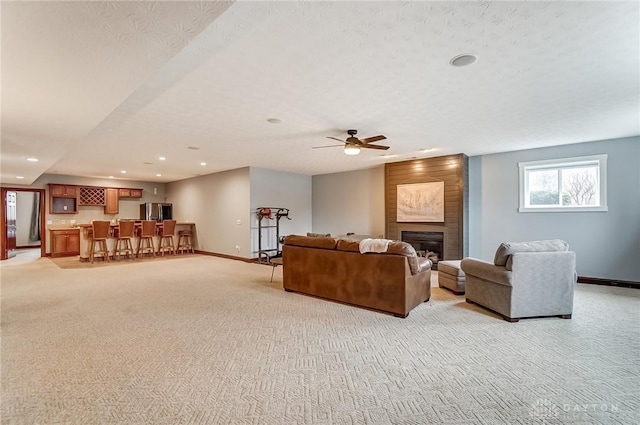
(453, 170)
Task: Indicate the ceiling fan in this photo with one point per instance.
(352, 144)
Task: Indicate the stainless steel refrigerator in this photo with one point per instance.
(156, 211)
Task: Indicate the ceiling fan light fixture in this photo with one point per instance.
(351, 150)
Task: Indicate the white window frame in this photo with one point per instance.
(599, 160)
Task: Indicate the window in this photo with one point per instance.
(568, 184)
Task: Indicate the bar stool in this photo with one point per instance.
(166, 237)
(100, 235)
(185, 241)
(145, 241)
(123, 241)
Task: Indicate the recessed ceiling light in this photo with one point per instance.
(274, 120)
(148, 163)
(162, 158)
(463, 60)
(123, 171)
(203, 163)
(158, 175)
(427, 150)
(32, 159)
(390, 155)
(110, 177)
(19, 177)
(193, 148)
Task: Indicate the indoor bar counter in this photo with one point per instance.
(86, 234)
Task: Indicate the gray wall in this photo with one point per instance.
(223, 207)
(349, 202)
(607, 244)
(270, 188)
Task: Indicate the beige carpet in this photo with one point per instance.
(205, 340)
(75, 263)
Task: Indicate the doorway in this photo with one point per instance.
(27, 205)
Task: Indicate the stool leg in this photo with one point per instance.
(106, 250)
(130, 248)
(92, 250)
(273, 269)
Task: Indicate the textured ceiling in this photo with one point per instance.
(93, 88)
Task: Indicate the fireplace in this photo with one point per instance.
(426, 244)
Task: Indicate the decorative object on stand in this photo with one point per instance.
(352, 144)
(267, 213)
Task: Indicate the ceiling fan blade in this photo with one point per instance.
(327, 146)
(366, 146)
(373, 139)
(334, 138)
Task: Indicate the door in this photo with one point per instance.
(9, 237)
(10, 214)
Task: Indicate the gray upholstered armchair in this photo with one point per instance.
(527, 279)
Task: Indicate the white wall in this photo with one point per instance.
(270, 188)
(349, 202)
(607, 244)
(24, 207)
(215, 203)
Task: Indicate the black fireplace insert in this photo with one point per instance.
(426, 244)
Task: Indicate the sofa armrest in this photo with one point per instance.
(544, 280)
(487, 271)
(541, 268)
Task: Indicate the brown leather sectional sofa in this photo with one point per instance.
(395, 281)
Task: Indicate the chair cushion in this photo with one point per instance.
(506, 249)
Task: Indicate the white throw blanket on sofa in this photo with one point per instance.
(374, 245)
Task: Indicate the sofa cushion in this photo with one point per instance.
(350, 246)
(309, 242)
(506, 249)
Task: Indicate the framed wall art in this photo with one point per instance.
(421, 202)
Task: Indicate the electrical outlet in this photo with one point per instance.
(238, 249)
(238, 222)
(49, 221)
